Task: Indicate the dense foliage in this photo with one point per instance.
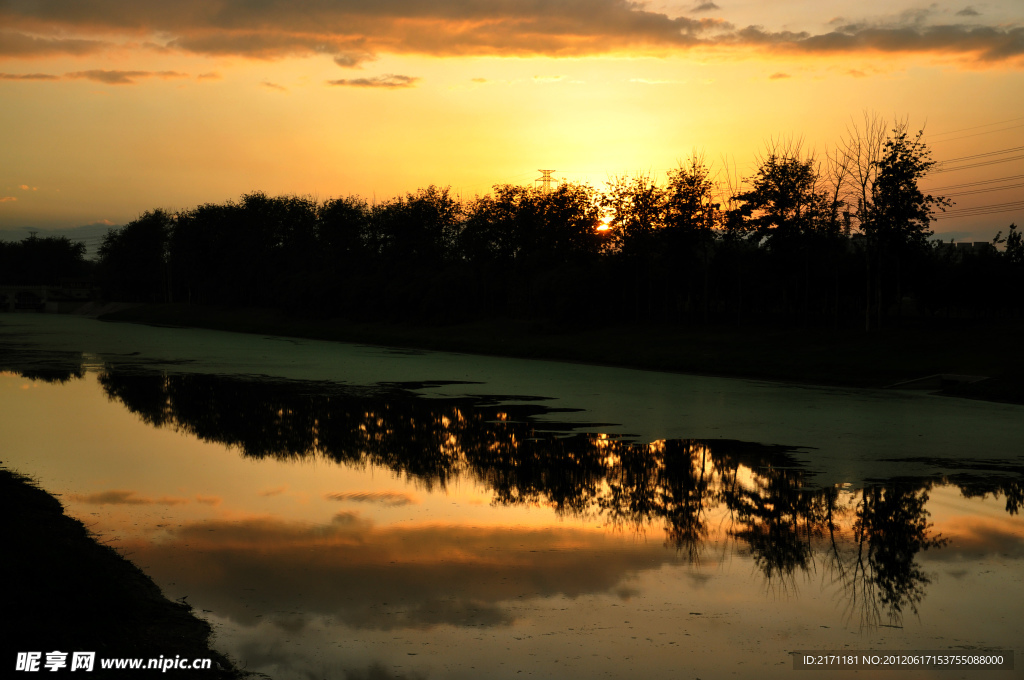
(848, 245)
(41, 261)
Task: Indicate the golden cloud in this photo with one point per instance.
(355, 31)
(28, 76)
(389, 81)
(123, 77)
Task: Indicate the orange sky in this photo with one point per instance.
(113, 108)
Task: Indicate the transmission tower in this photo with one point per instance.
(545, 180)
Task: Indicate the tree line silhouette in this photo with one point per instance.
(841, 241)
(42, 260)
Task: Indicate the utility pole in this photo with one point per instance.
(545, 180)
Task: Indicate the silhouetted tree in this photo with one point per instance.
(899, 214)
(133, 260)
(789, 212)
(693, 218)
(41, 260)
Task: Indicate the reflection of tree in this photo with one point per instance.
(883, 579)
(51, 367)
(775, 516)
(1010, 488)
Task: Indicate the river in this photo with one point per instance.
(347, 511)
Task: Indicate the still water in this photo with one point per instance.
(342, 511)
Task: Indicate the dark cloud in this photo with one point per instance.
(14, 44)
(123, 77)
(28, 76)
(354, 31)
(260, 44)
(779, 76)
(389, 80)
(968, 12)
(354, 58)
(279, 88)
(987, 44)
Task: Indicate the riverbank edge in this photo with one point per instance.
(64, 590)
(816, 357)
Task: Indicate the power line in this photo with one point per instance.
(978, 214)
(982, 155)
(975, 184)
(984, 207)
(982, 210)
(977, 127)
(985, 191)
(977, 134)
(979, 165)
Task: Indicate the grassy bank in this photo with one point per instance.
(842, 358)
(64, 591)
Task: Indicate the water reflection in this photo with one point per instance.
(385, 578)
(868, 540)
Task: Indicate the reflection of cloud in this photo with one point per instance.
(276, 491)
(384, 497)
(121, 497)
(389, 578)
(389, 80)
(978, 538)
(123, 77)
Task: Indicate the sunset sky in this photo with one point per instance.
(110, 108)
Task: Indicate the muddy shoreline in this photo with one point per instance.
(65, 590)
